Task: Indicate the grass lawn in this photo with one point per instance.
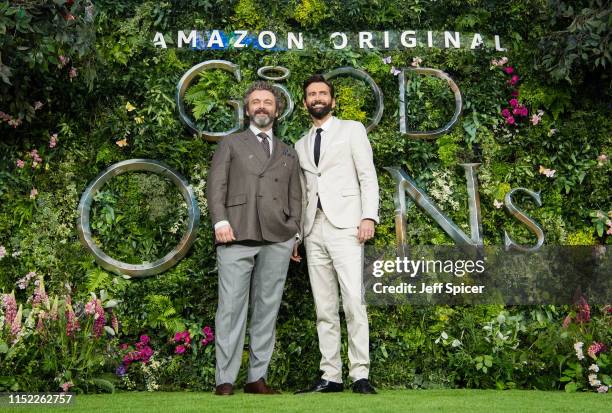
(386, 401)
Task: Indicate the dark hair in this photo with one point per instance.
(317, 79)
(263, 85)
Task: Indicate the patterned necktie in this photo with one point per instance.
(265, 142)
(317, 146)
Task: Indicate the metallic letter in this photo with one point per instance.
(361, 75)
(162, 264)
(525, 219)
(405, 184)
(402, 108)
(185, 82)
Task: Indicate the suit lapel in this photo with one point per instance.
(306, 149)
(327, 148)
(277, 151)
(255, 147)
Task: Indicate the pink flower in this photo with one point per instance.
(515, 93)
(123, 346)
(516, 111)
(567, 321)
(524, 111)
(33, 193)
(115, 323)
(73, 73)
(509, 70)
(63, 61)
(23, 282)
(535, 119)
(416, 61)
(34, 154)
(513, 102)
(2, 252)
(514, 80)
(72, 323)
(602, 389)
(595, 349)
(20, 163)
(10, 307)
(602, 159)
(180, 349)
(144, 339)
(178, 336)
(53, 141)
(584, 311)
(99, 319)
(37, 105)
(66, 386)
(510, 120)
(505, 113)
(90, 307)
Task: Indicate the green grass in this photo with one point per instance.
(387, 401)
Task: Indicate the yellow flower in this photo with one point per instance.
(129, 107)
(139, 119)
(121, 143)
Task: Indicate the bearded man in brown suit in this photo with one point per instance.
(255, 202)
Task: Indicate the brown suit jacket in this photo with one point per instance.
(261, 197)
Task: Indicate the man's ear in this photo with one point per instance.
(333, 103)
(305, 105)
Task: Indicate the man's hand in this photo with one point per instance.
(366, 230)
(224, 234)
(295, 256)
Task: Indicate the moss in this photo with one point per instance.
(581, 237)
(310, 12)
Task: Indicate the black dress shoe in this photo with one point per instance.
(323, 386)
(363, 386)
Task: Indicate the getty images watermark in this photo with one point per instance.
(431, 275)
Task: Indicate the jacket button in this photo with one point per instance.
(275, 179)
(261, 176)
(274, 198)
(319, 174)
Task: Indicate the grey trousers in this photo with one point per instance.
(255, 275)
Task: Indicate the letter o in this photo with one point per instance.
(167, 261)
(361, 75)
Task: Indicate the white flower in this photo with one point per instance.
(593, 380)
(498, 204)
(594, 367)
(578, 348)
(2, 251)
(602, 389)
(456, 343)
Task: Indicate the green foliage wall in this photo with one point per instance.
(83, 87)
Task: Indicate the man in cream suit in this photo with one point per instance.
(255, 203)
(342, 208)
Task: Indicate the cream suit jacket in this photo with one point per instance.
(345, 179)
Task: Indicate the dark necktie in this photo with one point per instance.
(264, 142)
(317, 146)
(317, 154)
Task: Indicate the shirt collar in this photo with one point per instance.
(257, 131)
(325, 126)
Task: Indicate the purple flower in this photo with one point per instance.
(505, 113)
(144, 339)
(510, 120)
(121, 370)
(513, 102)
